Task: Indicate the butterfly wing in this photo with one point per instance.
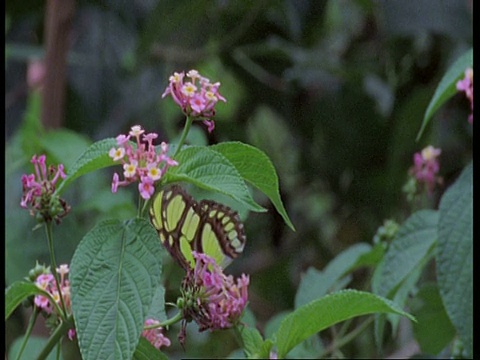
(208, 227)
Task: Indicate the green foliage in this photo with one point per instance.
(428, 308)
(211, 170)
(146, 351)
(447, 87)
(327, 311)
(94, 158)
(115, 272)
(455, 255)
(16, 293)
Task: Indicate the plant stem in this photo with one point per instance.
(29, 331)
(48, 228)
(178, 316)
(186, 129)
(337, 344)
(55, 338)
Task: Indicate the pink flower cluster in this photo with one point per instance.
(38, 190)
(155, 336)
(466, 85)
(142, 164)
(195, 95)
(47, 282)
(220, 300)
(426, 166)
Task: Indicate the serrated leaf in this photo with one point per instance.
(428, 308)
(315, 284)
(94, 158)
(447, 87)
(114, 274)
(17, 292)
(210, 170)
(256, 168)
(327, 311)
(146, 351)
(414, 241)
(455, 255)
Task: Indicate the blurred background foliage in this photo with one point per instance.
(333, 92)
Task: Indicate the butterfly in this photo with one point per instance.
(208, 227)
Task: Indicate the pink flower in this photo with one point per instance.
(197, 97)
(426, 167)
(46, 282)
(155, 336)
(146, 188)
(466, 85)
(141, 163)
(39, 191)
(217, 300)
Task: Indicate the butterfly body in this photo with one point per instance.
(208, 227)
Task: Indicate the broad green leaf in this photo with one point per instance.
(315, 284)
(327, 311)
(146, 351)
(94, 158)
(64, 145)
(256, 168)
(414, 241)
(17, 292)
(210, 170)
(115, 272)
(455, 255)
(428, 308)
(157, 309)
(447, 87)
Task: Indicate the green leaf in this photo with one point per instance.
(256, 168)
(157, 309)
(310, 348)
(327, 311)
(428, 308)
(315, 284)
(455, 255)
(94, 158)
(414, 242)
(210, 170)
(146, 351)
(252, 340)
(447, 87)
(17, 292)
(115, 272)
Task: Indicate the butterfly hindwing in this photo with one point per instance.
(208, 227)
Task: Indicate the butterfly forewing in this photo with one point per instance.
(185, 225)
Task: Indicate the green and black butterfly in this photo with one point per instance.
(208, 227)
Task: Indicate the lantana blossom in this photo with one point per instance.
(466, 85)
(426, 167)
(214, 300)
(195, 95)
(141, 164)
(39, 191)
